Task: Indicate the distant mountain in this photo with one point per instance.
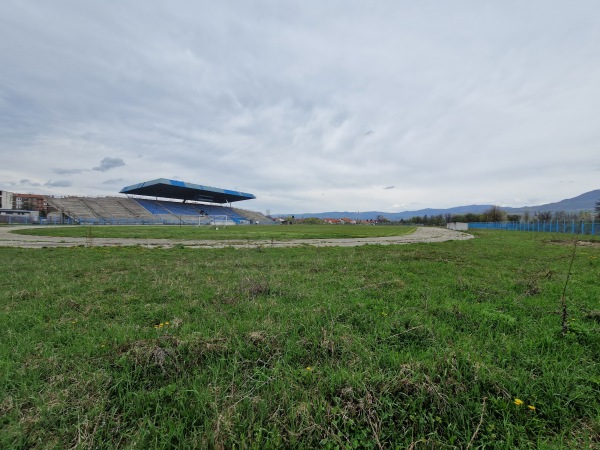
(583, 202)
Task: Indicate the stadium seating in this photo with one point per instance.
(152, 206)
(117, 210)
(184, 211)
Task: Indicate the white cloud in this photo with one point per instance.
(309, 107)
(58, 183)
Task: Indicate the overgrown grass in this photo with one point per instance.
(259, 232)
(420, 346)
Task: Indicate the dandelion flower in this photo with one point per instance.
(531, 407)
(309, 368)
(518, 402)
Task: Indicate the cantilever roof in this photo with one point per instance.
(185, 191)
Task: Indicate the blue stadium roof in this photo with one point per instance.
(185, 191)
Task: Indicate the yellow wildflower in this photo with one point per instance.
(518, 402)
(531, 407)
(309, 368)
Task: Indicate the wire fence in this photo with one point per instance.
(212, 220)
(548, 226)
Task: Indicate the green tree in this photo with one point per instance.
(313, 221)
(597, 209)
(472, 217)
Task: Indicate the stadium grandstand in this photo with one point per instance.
(159, 201)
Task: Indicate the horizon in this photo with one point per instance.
(367, 211)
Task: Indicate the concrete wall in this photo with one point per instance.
(458, 226)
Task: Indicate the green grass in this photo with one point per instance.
(423, 345)
(259, 232)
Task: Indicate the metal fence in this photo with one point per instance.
(24, 220)
(17, 220)
(549, 226)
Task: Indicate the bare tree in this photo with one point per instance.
(494, 214)
(544, 215)
(560, 215)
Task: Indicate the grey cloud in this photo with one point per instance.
(67, 171)
(29, 182)
(109, 163)
(58, 183)
(389, 187)
(115, 181)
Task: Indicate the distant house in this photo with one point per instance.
(30, 202)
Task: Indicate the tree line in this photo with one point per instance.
(497, 214)
(492, 214)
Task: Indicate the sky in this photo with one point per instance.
(312, 106)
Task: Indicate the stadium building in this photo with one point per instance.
(159, 201)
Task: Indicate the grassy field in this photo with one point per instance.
(413, 346)
(278, 233)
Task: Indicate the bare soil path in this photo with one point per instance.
(9, 239)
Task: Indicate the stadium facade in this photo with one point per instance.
(160, 201)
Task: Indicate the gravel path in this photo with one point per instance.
(8, 239)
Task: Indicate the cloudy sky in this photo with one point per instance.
(335, 105)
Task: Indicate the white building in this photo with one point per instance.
(458, 226)
(6, 200)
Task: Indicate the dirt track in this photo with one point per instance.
(8, 239)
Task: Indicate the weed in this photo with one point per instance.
(420, 346)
